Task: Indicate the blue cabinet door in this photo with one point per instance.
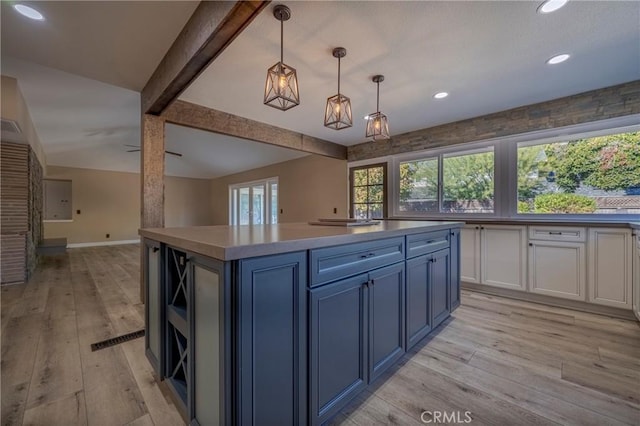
(338, 345)
(455, 269)
(273, 340)
(440, 286)
(386, 318)
(418, 299)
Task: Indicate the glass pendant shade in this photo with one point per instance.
(281, 88)
(377, 126)
(337, 114)
(377, 123)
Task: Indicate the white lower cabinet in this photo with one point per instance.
(610, 267)
(470, 254)
(495, 255)
(558, 268)
(591, 264)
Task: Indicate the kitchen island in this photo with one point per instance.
(285, 324)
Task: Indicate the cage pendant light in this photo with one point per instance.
(377, 123)
(281, 88)
(337, 114)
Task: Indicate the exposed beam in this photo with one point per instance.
(600, 104)
(201, 117)
(211, 28)
(151, 180)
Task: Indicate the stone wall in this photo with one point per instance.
(601, 104)
(36, 205)
(20, 211)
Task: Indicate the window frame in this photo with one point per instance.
(385, 187)
(439, 154)
(505, 171)
(234, 219)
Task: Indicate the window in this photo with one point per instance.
(368, 191)
(594, 175)
(590, 169)
(459, 182)
(254, 203)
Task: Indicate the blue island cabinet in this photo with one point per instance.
(272, 341)
(291, 338)
(356, 328)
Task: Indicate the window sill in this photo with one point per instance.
(622, 222)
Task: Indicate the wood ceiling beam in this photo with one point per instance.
(208, 119)
(211, 28)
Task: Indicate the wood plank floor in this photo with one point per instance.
(505, 362)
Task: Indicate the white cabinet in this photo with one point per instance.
(636, 274)
(557, 261)
(610, 260)
(557, 268)
(470, 254)
(495, 255)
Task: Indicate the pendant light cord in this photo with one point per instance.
(378, 98)
(338, 79)
(281, 42)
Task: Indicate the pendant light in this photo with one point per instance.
(337, 115)
(281, 88)
(377, 123)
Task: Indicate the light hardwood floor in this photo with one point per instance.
(507, 362)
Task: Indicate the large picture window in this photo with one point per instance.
(458, 182)
(254, 203)
(597, 175)
(368, 191)
(587, 170)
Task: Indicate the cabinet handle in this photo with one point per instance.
(555, 233)
(430, 242)
(477, 227)
(482, 227)
(371, 281)
(155, 249)
(364, 256)
(453, 233)
(530, 244)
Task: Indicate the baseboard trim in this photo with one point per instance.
(552, 301)
(102, 243)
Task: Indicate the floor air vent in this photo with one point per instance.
(116, 340)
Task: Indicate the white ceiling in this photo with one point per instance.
(116, 42)
(490, 56)
(85, 123)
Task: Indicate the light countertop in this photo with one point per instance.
(239, 242)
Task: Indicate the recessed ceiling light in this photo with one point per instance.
(558, 59)
(441, 95)
(29, 12)
(551, 6)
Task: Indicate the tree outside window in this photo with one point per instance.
(368, 191)
(598, 175)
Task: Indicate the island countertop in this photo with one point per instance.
(237, 242)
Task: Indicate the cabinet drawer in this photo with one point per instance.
(557, 233)
(428, 242)
(332, 263)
